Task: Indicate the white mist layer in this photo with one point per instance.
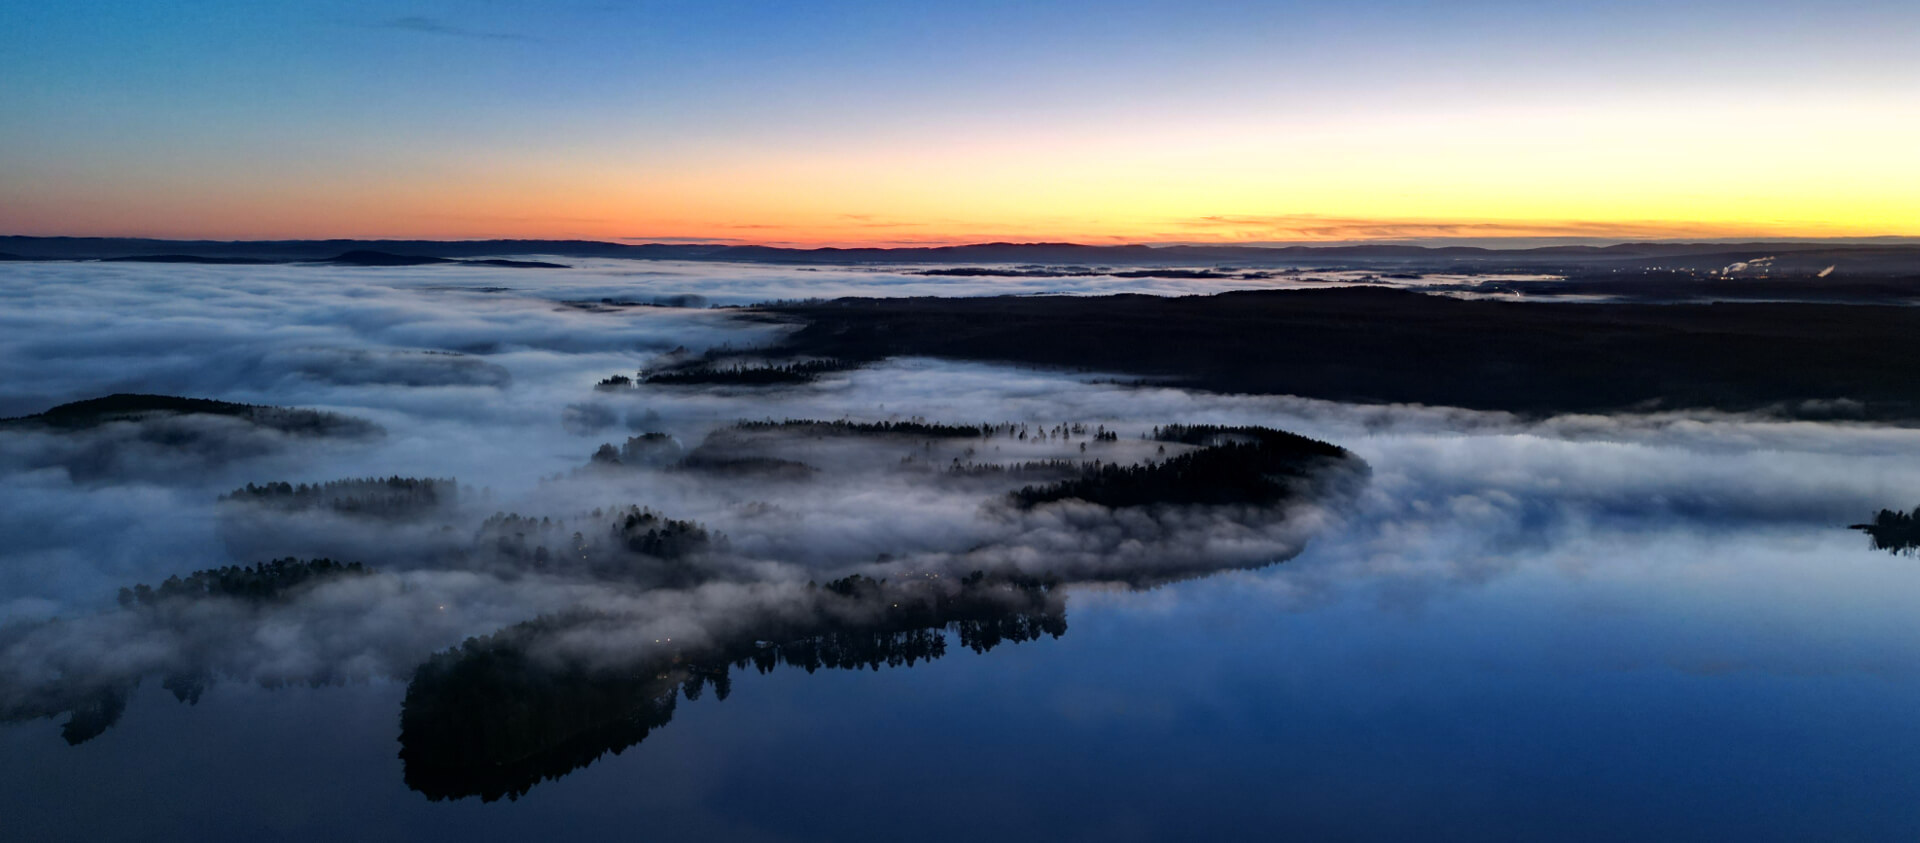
(495, 388)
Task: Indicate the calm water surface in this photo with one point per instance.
(1581, 629)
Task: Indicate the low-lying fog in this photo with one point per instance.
(487, 376)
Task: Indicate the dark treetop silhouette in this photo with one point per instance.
(497, 714)
(390, 497)
(491, 718)
(130, 407)
(1893, 531)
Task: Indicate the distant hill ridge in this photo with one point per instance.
(1893, 256)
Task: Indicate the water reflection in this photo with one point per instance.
(1893, 532)
(631, 610)
(493, 718)
(501, 713)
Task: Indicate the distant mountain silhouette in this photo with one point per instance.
(186, 259)
(368, 257)
(1789, 256)
(1085, 272)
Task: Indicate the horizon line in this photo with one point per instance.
(1493, 243)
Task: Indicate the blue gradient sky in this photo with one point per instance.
(896, 122)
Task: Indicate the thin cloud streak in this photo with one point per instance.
(433, 26)
(1317, 228)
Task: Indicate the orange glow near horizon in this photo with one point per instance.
(1646, 172)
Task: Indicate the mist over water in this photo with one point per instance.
(1502, 618)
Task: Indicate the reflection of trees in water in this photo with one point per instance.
(493, 718)
(499, 714)
(94, 700)
(1894, 532)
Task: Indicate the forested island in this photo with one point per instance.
(1246, 465)
(629, 544)
(159, 437)
(133, 407)
(488, 719)
(1233, 465)
(652, 448)
(393, 497)
(499, 713)
(716, 373)
(844, 427)
(268, 581)
(94, 702)
(1090, 272)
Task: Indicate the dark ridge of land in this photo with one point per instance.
(713, 374)
(126, 406)
(1883, 257)
(515, 264)
(367, 257)
(630, 545)
(490, 719)
(1676, 286)
(1234, 465)
(189, 259)
(239, 255)
(392, 497)
(844, 427)
(738, 449)
(1374, 345)
(1085, 272)
(276, 580)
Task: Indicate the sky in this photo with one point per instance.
(888, 123)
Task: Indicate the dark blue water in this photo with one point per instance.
(1696, 701)
(1641, 628)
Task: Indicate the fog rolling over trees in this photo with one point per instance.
(393, 497)
(498, 714)
(619, 605)
(538, 568)
(153, 436)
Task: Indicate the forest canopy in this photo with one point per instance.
(1234, 465)
(388, 497)
(267, 581)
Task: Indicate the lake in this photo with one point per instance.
(1652, 626)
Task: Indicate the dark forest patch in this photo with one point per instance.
(1373, 345)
